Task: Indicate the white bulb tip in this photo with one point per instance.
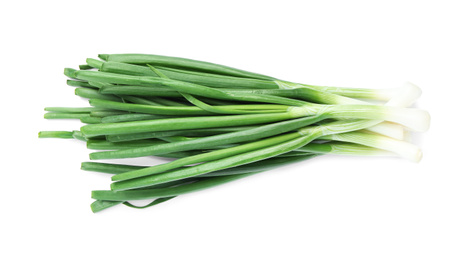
(412, 91)
(415, 156)
(421, 121)
(412, 118)
(426, 120)
(404, 149)
(419, 156)
(405, 96)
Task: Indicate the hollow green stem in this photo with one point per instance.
(79, 83)
(130, 117)
(85, 67)
(140, 101)
(196, 132)
(94, 63)
(181, 86)
(175, 62)
(55, 134)
(185, 123)
(90, 119)
(106, 145)
(201, 78)
(213, 155)
(207, 142)
(94, 94)
(183, 110)
(58, 115)
(219, 164)
(73, 109)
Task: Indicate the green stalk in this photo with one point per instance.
(108, 167)
(226, 109)
(297, 93)
(130, 117)
(260, 166)
(140, 101)
(73, 109)
(79, 83)
(213, 109)
(207, 142)
(98, 84)
(175, 62)
(211, 166)
(185, 87)
(311, 150)
(183, 110)
(142, 136)
(144, 91)
(342, 148)
(212, 179)
(166, 102)
(94, 94)
(184, 123)
(148, 109)
(57, 115)
(263, 165)
(90, 120)
(106, 145)
(213, 155)
(106, 113)
(308, 134)
(55, 134)
(85, 67)
(201, 78)
(99, 205)
(357, 93)
(79, 136)
(304, 94)
(196, 132)
(69, 72)
(94, 63)
(216, 80)
(165, 192)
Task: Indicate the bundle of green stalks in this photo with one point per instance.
(220, 124)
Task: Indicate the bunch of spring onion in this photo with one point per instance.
(219, 124)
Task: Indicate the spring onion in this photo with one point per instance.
(217, 124)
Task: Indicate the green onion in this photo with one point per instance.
(55, 134)
(210, 141)
(94, 94)
(180, 63)
(54, 115)
(217, 124)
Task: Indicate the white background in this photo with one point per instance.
(328, 208)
